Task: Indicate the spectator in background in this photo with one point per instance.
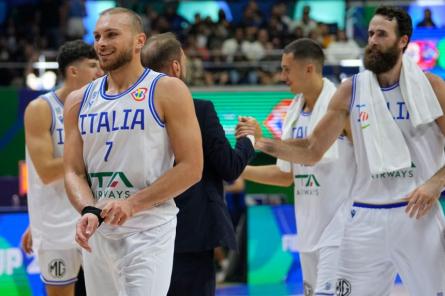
(342, 48)
(76, 12)
(427, 21)
(306, 23)
(231, 49)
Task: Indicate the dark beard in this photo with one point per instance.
(378, 61)
(122, 59)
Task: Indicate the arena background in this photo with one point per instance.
(236, 82)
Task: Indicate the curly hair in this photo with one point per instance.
(73, 51)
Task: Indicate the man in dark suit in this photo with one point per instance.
(203, 220)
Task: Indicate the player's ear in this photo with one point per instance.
(71, 71)
(140, 41)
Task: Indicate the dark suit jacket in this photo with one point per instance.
(203, 219)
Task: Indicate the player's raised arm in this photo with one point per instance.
(174, 103)
(309, 151)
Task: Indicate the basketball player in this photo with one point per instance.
(52, 218)
(394, 226)
(123, 132)
(203, 220)
(321, 193)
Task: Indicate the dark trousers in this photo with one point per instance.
(193, 274)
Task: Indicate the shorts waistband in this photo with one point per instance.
(380, 206)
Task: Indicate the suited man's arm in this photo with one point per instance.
(227, 162)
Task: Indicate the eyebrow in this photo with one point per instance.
(107, 30)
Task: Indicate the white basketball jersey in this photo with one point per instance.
(126, 148)
(52, 217)
(425, 143)
(320, 190)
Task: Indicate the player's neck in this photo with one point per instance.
(63, 92)
(121, 79)
(312, 94)
(392, 76)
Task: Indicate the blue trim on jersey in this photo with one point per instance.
(305, 113)
(354, 81)
(327, 294)
(151, 103)
(58, 283)
(382, 206)
(85, 96)
(391, 87)
(57, 98)
(117, 96)
(53, 116)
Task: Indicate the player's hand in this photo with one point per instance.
(423, 198)
(248, 126)
(26, 241)
(116, 212)
(85, 228)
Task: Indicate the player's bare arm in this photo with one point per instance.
(423, 198)
(174, 104)
(76, 183)
(310, 150)
(38, 120)
(268, 174)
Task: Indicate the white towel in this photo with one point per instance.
(384, 142)
(320, 108)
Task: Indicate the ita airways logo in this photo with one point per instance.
(274, 120)
(113, 185)
(111, 179)
(308, 180)
(363, 116)
(139, 94)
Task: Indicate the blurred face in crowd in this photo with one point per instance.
(294, 72)
(115, 40)
(384, 46)
(84, 71)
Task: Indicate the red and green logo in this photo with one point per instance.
(111, 179)
(139, 94)
(308, 180)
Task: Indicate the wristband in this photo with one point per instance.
(94, 211)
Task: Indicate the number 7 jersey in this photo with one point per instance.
(125, 148)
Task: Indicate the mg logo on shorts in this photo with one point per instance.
(57, 268)
(308, 291)
(343, 288)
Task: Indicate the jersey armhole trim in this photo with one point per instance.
(53, 116)
(354, 82)
(85, 96)
(151, 103)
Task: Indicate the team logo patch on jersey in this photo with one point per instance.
(57, 268)
(139, 94)
(363, 115)
(343, 288)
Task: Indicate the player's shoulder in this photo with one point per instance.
(169, 82)
(76, 96)
(37, 105)
(434, 80)
(171, 88)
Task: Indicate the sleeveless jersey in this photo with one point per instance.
(52, 217)
(425, 144)
(125, 148)
(320, 190)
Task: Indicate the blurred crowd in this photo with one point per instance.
(221, 52)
